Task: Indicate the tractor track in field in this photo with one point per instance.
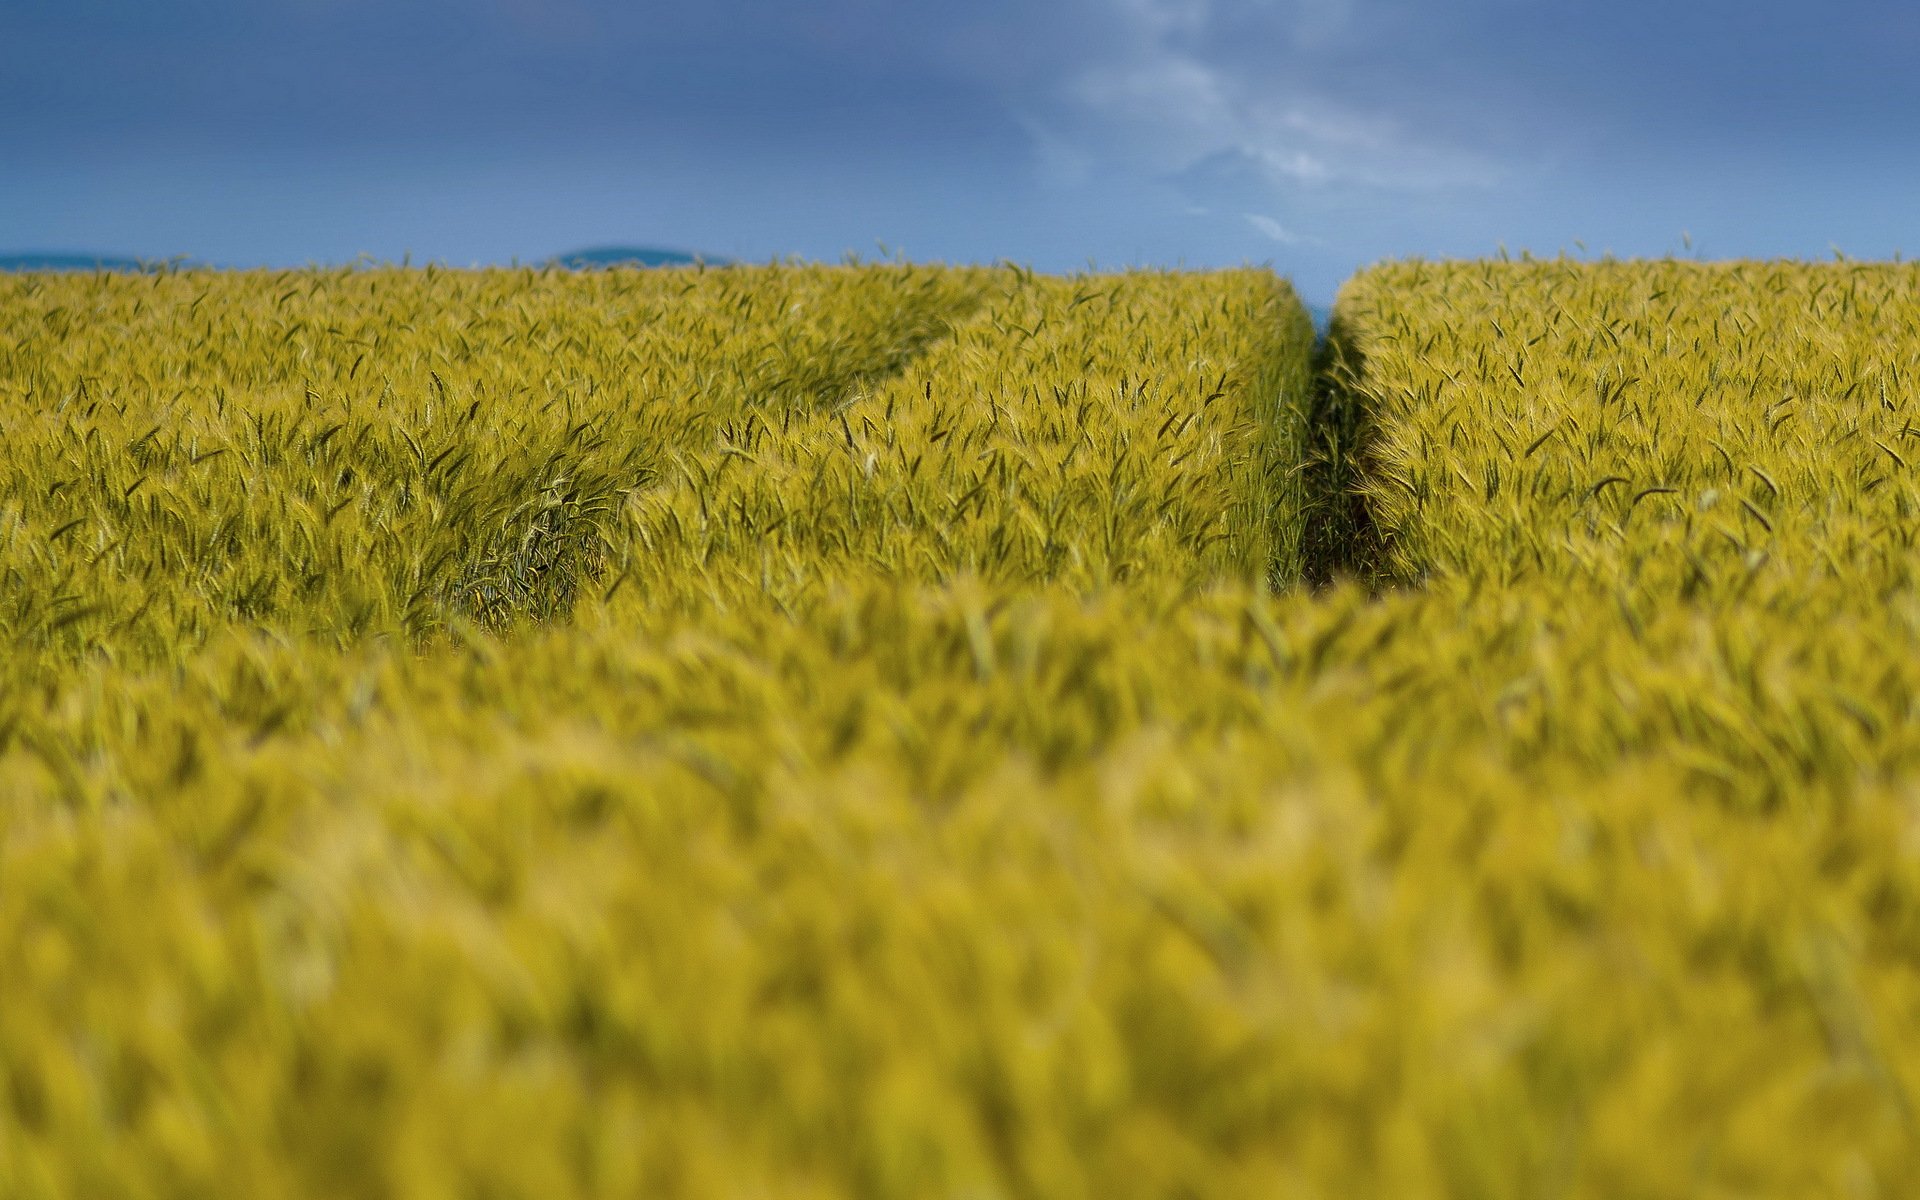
(1341, 540)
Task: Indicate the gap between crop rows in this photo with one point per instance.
(1341, 538)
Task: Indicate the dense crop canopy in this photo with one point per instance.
(820, 732)
(494, 705)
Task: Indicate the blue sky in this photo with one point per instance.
(1318, 135)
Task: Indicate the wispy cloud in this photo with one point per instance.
(1165, 97)
(1275, 231)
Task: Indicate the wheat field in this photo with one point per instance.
(896, 731)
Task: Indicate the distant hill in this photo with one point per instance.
(632, 256)
(44, 261)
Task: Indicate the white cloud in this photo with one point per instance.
(1158, 102)
(1282, 163)
(1154, 111)
(1322, 122)
(1063, 161)
(1275, 230)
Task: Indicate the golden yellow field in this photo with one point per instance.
(869, 731)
